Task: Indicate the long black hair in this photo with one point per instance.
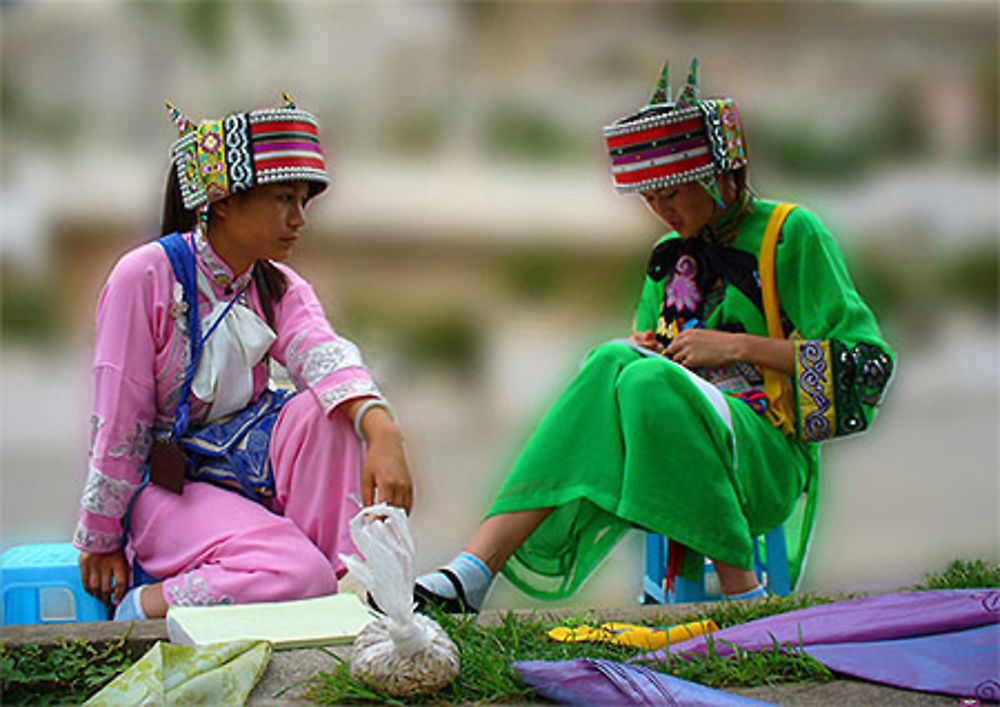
(270, 282)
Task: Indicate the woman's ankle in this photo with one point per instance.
(154, 604)
(735, 580)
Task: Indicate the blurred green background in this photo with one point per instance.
(473, 245)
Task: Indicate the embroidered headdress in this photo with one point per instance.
(671, 142)
(218, 158)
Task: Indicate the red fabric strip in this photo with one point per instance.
(264, 163)
(282, 127)
(664, 131)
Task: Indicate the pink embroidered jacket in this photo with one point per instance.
(139, 361)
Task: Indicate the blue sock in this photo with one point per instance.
(754, 593)
(472, 573)
(130, 607)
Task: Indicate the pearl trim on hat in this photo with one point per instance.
(264, 115)
(668, 181)
(653, 121)
(659, 161)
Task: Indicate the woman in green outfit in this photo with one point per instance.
(751, 345)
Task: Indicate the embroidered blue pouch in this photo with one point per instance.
(232, 451)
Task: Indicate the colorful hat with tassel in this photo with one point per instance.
(218, 158)
(672, 142)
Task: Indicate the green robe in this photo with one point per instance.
(635, 442)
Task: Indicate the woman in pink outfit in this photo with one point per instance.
(220, 489)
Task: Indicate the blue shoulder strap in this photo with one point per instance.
(183, 262)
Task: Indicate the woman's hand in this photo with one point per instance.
(701, 348)
(385, 471)
(645, 339)
(97, 571)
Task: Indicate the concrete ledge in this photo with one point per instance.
(156, 630)
(138, 632)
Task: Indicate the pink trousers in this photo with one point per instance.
(214, 546)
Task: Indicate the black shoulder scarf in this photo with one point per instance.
(714, 261)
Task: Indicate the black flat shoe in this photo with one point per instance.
(372, 604)
(450, 605)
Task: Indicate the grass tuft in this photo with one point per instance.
(963, 574)
(67, 673)
(782, 663)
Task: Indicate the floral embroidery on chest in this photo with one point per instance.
(684, 302)
(681, 292)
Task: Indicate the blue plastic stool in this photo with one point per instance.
(770, 564)
(40, 584)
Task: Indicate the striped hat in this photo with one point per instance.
(218, 158)
(668, 142)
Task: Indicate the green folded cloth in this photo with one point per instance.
(215, 674)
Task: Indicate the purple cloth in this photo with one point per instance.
(591, 681)
(891, 626)
(964, 663)
(875, 618)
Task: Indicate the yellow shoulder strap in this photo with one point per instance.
(776, 385)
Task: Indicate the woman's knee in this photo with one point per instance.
(309, 575)
(300, 573)
(304, 431)
(613, 353)
(639, 380)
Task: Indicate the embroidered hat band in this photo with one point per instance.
(218, 158)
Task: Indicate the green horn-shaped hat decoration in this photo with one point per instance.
(662, 93)
(691, 93)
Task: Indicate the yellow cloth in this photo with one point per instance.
(645, 637)
(216, 674)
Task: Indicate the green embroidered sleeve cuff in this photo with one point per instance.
(838, 386)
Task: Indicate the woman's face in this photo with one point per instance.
(686, 208)
(264, 222)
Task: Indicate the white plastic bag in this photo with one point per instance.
(401, 653)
